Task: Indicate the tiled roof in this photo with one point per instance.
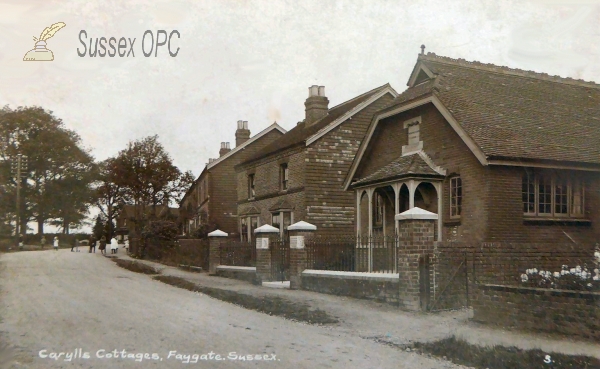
(130, 210)
(300, 132)
(515, 114)
(250, 210)
(404, 166)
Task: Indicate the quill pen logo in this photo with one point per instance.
(40, 52)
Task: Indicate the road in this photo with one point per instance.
(84, 306)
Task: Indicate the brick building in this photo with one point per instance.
(212, 198)
(501, 154)
(299, 176)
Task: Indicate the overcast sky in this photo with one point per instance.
(254, 60)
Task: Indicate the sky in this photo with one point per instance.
(254, 60)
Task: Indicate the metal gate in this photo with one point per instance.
(280, 260)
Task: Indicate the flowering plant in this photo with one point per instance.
(578, 278)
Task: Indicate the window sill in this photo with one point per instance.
(452, 222)
(556, 221)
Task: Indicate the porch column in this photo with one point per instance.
(299, 232)
(358, 211)
(263, 252)
(370, 192)
(438, 188)
(397, 187)
(412, 187)
(215, 240)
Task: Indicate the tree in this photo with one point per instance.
(99, 227)
(110, 194)
(56, 184)
(146, 172)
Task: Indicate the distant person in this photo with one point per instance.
(20, 241)
(126, 245)
(75, 245)
(92, 244)
(56, 243)
(43, 242)
(114, 246)
(103, 245)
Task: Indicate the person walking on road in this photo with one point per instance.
(92, 244)
(114, 246)
(56, 243)
(126, 245)
(103, 245)
(21, 241)
(43, 242)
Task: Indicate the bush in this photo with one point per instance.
(163, 230)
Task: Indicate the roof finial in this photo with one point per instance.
(422, 49)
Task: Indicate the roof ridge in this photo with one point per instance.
(359, 96)
(507, 70)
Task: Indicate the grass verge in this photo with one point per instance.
(500, 357)
(136, 267)
(272, 305)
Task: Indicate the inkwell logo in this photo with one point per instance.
(40, 52)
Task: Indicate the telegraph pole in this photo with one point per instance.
(17, 168)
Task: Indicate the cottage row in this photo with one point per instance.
(499, 154)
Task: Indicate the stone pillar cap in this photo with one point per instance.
(266, 228)
(302, 226)
(416, 213)
(217, 233)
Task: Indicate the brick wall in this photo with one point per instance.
(503, 263)
(447, 150)
(267, 185)
(328, 160)
(506, 221)
(362, 288)
(573, 313)
(223, 194)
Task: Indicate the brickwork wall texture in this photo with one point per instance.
(328, 160)
(223, 185)
(267, 185)
(506, 221)
(447, 150)
(567, 312)
(383, 291)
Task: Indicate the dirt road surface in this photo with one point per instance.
(84, 306)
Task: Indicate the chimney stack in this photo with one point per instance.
(224, 148)
(242, 134)
(317, 105)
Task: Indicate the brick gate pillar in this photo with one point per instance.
(298, 233)
(215, 240)
(263, 235)
(415, 243)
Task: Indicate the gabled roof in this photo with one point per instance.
(416, 164)
(208, 166)
(505, 116)
(302, 135)
(242, 146)
(129, 210)
(517, 114)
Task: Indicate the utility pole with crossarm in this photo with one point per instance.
(19, 170)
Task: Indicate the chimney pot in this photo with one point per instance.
(317, 105)
(224, 148)
(242, 134)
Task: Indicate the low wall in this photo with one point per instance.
(375, 286)
(247, 274)
(575, 313)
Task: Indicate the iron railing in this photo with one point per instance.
(375, 253)
(238, 253)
